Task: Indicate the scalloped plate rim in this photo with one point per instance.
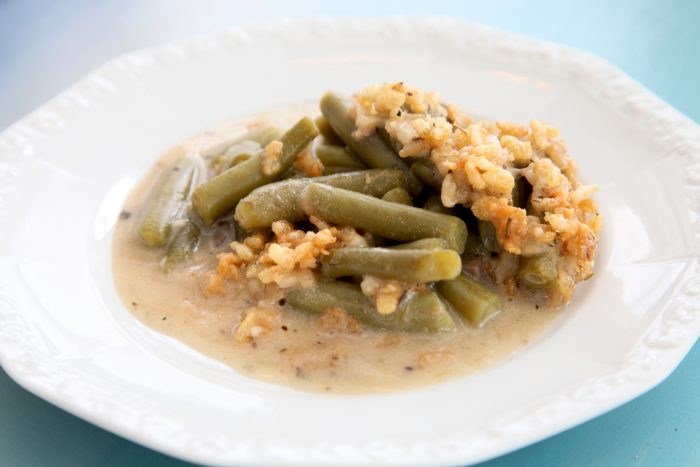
(692, 138)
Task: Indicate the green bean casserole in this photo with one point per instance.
(389, 242)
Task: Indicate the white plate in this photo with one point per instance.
(65, 169)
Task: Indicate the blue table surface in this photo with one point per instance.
(47, 45)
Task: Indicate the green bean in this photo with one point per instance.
(183, 245)
(294, 141)
(398, 195)
(221, 194)
(165, 201)
(538, 271)
(418, 312)
(403, 265)
(337, 156)
(329, 135)
(487, 233)
(371, 150)
(434, 204)
(423, 311)
(475, 246)
(422, 244)
(278, 201)
(383, 218)
(337, 169)
(292, 174)
(244, 147)
(472, 300)
(264, 135)
(235, 154)
(425, 171)
(257, 136)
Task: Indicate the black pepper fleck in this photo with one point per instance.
(537, 307)
(282, 301)
(398, 113)
(283, 349)
(284, 328)
(124, 215)
(408, 368)
(409, 93)
(164, 318)
(134, 304)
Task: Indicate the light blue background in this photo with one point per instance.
(47, 45)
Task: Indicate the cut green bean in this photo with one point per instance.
(398, 195)
(475, 246)
(221, 194)
(280, 201)
(422, 244)
(434, 204)
(337, 169)
(338, 156)
(472, 300)
(183, 245)
(244, 147)
(417, 312)
(264, 136)
(403, 265)
(236, 154)
(487, 233)
(293, 142)
(329, 135)
(165, 202)
(423, 311)
(258, 136)
(538, 271)
(383, 218)
(371, 150)
(425, 171)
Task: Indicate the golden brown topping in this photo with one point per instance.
(478, 162)
(286, 261)
(257, 322)
(457, 117)
(308, 163)
(386, 293)
(228, 266)
(255, 242)
(271, 157)
(521, 151)
(512, 129)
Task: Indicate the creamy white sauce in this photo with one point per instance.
(298, 353)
